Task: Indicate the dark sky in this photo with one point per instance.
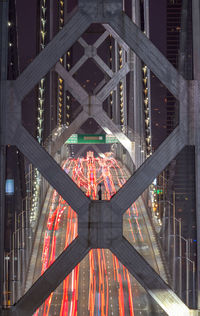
(158, 91)
(158, 24)
(26, 21)
(26, 24)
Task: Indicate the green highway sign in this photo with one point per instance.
(73, 139)
(91, 139)
(158, 191)
(110, 139)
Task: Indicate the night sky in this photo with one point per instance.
(158, 96)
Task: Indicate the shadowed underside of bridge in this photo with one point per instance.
(110, 14)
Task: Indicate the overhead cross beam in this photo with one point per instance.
(109, 11)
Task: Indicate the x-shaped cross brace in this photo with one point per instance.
(93, 107)
(107, 231)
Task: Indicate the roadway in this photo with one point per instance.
(100, 285)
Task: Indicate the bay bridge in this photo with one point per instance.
(99, 198)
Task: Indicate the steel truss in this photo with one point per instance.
(96, 234)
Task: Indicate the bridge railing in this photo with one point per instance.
(17, 260)
(177, 251)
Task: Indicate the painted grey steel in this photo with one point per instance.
(124, 82)
(196, 127)
(149, 170)
(101, 39)
(195, 119)
(72, 85)
(92, 106)
(197, 175)
(51, 278)
(99, 86)
(103, 66)
(79, 63)
(147, 52)
(112, 83)
(91, 52)
(104, 231)
(83, 42)
(116, 37)
(116, 98)
(127, 255)
(51, 54)
(50, 169)
(110, 128)
(73, 127)
(3, 78)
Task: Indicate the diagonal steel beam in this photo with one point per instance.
(73, 127)
(116, 37)
(150, 169)
(109, 126)
(96, 57)
(83, 43)
(53, 51)
(149, 279)
(101, 39)
(50, 170)
(51, 278)
(72, 85)
(79, 63)
(146, 50)
(103, 66)
(99, 86)
(112, 83)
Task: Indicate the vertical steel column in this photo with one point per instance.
(137, 88)
(180, 259)
(131, 91)
(116, 114)
(51, 99)
(137, 73)
(196, 71)
(124, 93)
(174, 242)
(147, 32)
(3, 78)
